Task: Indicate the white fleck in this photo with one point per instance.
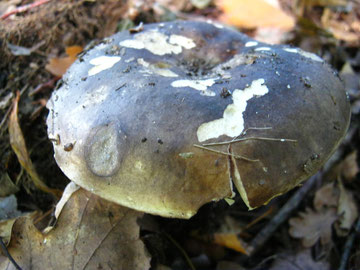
(158, 43)
(182, 41)
(217, 25)
(251, 44)
(102, 63)
(304, 53)
(101, 46)
(161, 25)
(200, 85)
(263, 49)
(282, 140)
(130, 60)
(139, 165)
(229, 201)
(69, 190)
(265, 169)
(277, 73)
(288, 86)
(6, 100)
(45, 240)
(142, 62)
(151, 68)
(232, 123)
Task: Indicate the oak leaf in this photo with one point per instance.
(91, 233)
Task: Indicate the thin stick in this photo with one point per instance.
(226, 154)
(23, 8)
(348, 246)
(283, 214)
(255, 128)
(7, 254)
(187, 259)
(250, 138)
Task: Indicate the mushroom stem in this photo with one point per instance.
(226, 154)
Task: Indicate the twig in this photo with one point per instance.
(172, 240)
(226, 154)
(7, 254)
(283, 214)
(23, 8)
(250, 138)
(348, 246)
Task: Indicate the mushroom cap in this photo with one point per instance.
(137, 116)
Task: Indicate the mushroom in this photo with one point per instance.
(170, 117)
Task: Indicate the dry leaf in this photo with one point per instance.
(347, 209)
(91, 233)
(326, 196)
(349, 167)
(58, 66)
(302, 260)
(254, 13)
(18, 145)
(5, 230)
(231, 241)
(313, 225)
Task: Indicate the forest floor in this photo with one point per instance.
(315, 226)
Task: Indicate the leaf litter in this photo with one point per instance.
(91, 233)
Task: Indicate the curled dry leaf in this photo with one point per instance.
(58, 66)
(312, 225)
(91, 233)
(339, 199)
(5, 230)
(301, 260)
(17, 143)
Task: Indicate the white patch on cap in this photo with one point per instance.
(251, 43)
(102, 63)
(232, 123)
(263, 49)
(217, 25)
(304, 53)
(158, 43)
(182, 41)
(200, 85)
(151, 68)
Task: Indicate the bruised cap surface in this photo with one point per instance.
(169, 118)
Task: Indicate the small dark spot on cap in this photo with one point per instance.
(143, 139)
(151, 83)
(68, 147)
(225, 92)
(160, 141)
(84, 78)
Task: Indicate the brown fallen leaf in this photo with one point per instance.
(91, 233)
(254, 13)
(349, 167)
(347, 210)
(17, 143)
(326, 196)
(231, 241)
(5, 229)
(58, 66)
(301, 260)
(312, 225)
